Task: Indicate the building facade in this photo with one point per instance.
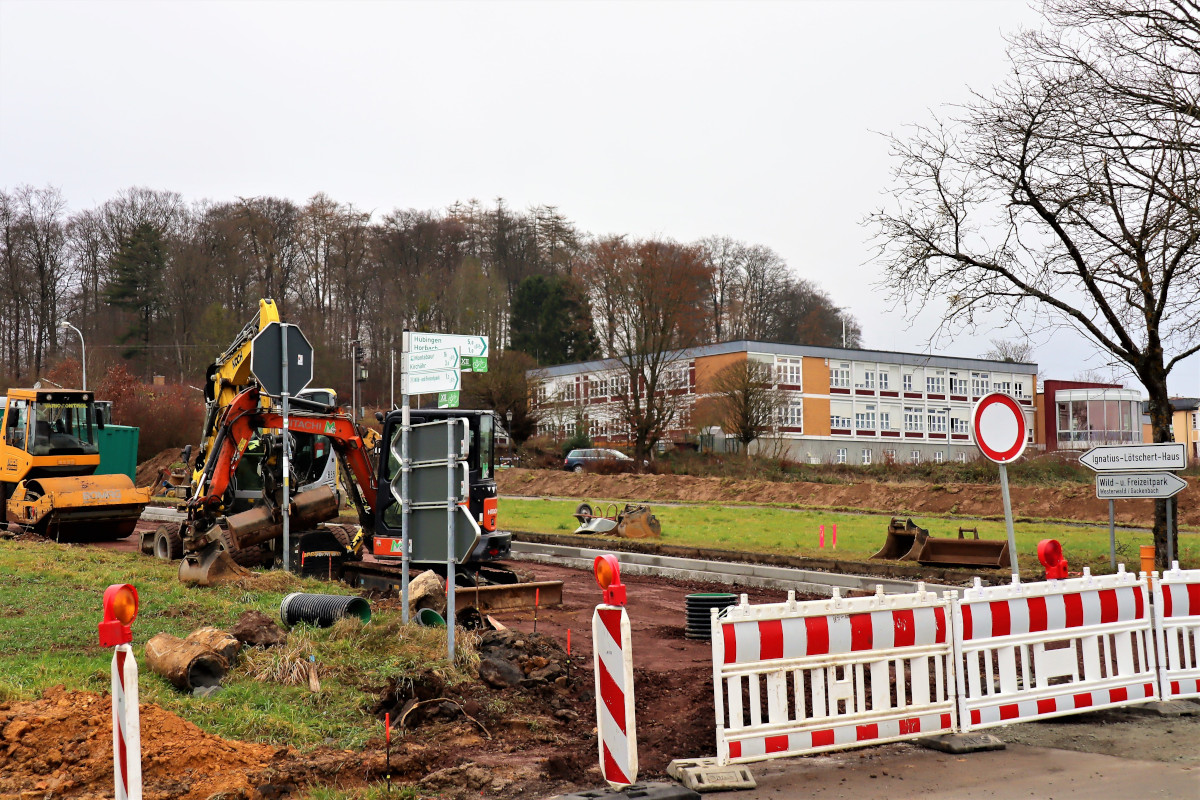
(1079, 415)
(1185, 424)
(839, 405)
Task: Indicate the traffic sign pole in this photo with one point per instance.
(1008, 521)
(287, 454)
(405, 468)
(998, 424)
(1112, 535)
(451, 559)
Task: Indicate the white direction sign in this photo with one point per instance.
(1153, 485)
(1126, 457)
(430, 360)
(443, 380)
(465, 345)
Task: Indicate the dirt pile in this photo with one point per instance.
(149, 472)
(1067, 501)
(61, 746)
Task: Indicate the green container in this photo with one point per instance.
(118, 450)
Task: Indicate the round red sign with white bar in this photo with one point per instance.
(998, 424)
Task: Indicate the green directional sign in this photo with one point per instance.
(472, 363)
(447, 400)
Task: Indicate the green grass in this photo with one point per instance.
(796, 533)
(50, 604)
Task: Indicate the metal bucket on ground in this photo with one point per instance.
(699, 618)
(322, 609)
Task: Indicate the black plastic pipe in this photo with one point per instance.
(322, 609)
(699, 607)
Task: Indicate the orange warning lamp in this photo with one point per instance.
(608, 576)
(1050, 553)
(120, 610)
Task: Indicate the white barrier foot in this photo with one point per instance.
(959, 743)
(705, 775)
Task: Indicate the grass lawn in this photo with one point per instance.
(50, 604)
(797, 533)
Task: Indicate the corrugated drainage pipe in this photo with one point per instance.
(322, 609)
(699, 621)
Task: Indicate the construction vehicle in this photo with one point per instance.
(48, 461)
(217, 544)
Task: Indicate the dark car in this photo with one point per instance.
(580, 460)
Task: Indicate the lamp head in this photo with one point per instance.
(120, 610)
(608, 577)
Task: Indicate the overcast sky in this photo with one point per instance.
(758, 121)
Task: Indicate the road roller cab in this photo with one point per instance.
(48, 458)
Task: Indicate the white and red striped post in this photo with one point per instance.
(120, 609)
(614, 678)
(127, 726)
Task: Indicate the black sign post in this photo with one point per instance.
(281, 357)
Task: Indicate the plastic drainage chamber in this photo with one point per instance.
(322, 609)
(699, 607)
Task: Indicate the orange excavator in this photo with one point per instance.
(216, 547)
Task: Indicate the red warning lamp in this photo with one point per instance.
(608, 576)
(1050, 553)
(120, 610)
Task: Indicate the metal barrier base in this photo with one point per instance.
(705, 775)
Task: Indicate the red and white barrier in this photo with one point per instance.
(614, 695)
(127, 737)
(1031, 651)
(1177, 624)
(830, 674)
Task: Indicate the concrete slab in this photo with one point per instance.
(705, 775)
(958, 743)
(1168, 708)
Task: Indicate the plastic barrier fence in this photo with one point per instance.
(1177, 623)
(1031, 651)
(793, 678)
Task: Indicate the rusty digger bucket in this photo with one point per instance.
(904, 540)
(964, 552)
(211, 566)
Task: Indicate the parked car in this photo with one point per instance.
(580, 460)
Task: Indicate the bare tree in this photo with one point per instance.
(651, 321)
(1070, 195)
(747, 399)
(1011, 350)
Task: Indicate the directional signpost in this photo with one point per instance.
(998, 424)
(281, 358)
(433, 363)
(1136, 471)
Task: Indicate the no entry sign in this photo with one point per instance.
(998, 424)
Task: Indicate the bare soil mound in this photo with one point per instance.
(149, 471)
(61, 746)
(1076, 502)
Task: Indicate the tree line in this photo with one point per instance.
(161, 285)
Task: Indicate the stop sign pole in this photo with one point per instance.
(998, 424)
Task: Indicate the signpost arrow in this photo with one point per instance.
(429, 360)
(1128, 457)
(465, 345)
(1153, 485)
(443, 380)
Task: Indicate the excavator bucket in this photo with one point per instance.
(964, 552)
(91, 508)
(211, 566)
(904, 540)
(636, 522)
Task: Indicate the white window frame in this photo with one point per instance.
(906, 381)
(868, 380)
(865, 420)
(883, 380)
(914, 457)
(889, 455)
(791, 415)
(840, 457)
(961, 457)
(914, 419)
(937, 421)
(938, 456)
(839, 376)
(935, 384)
(981, 383)
(789, 371)
(958, 385)
(865, 456)
(960, 425)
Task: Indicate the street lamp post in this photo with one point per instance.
(82, 349)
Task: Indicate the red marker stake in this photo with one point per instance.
(835, 536)
(821, 539)
(537, 600)
(387, 727)
(568, 656)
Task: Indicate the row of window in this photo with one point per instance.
(914, 456)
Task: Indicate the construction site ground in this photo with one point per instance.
(540, 741)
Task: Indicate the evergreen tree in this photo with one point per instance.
(551, 320)
(136, 285)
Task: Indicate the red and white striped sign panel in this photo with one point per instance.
(794, 678)
(614, 695)
(1177, 619)
(1029, 651)
(127, 736)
